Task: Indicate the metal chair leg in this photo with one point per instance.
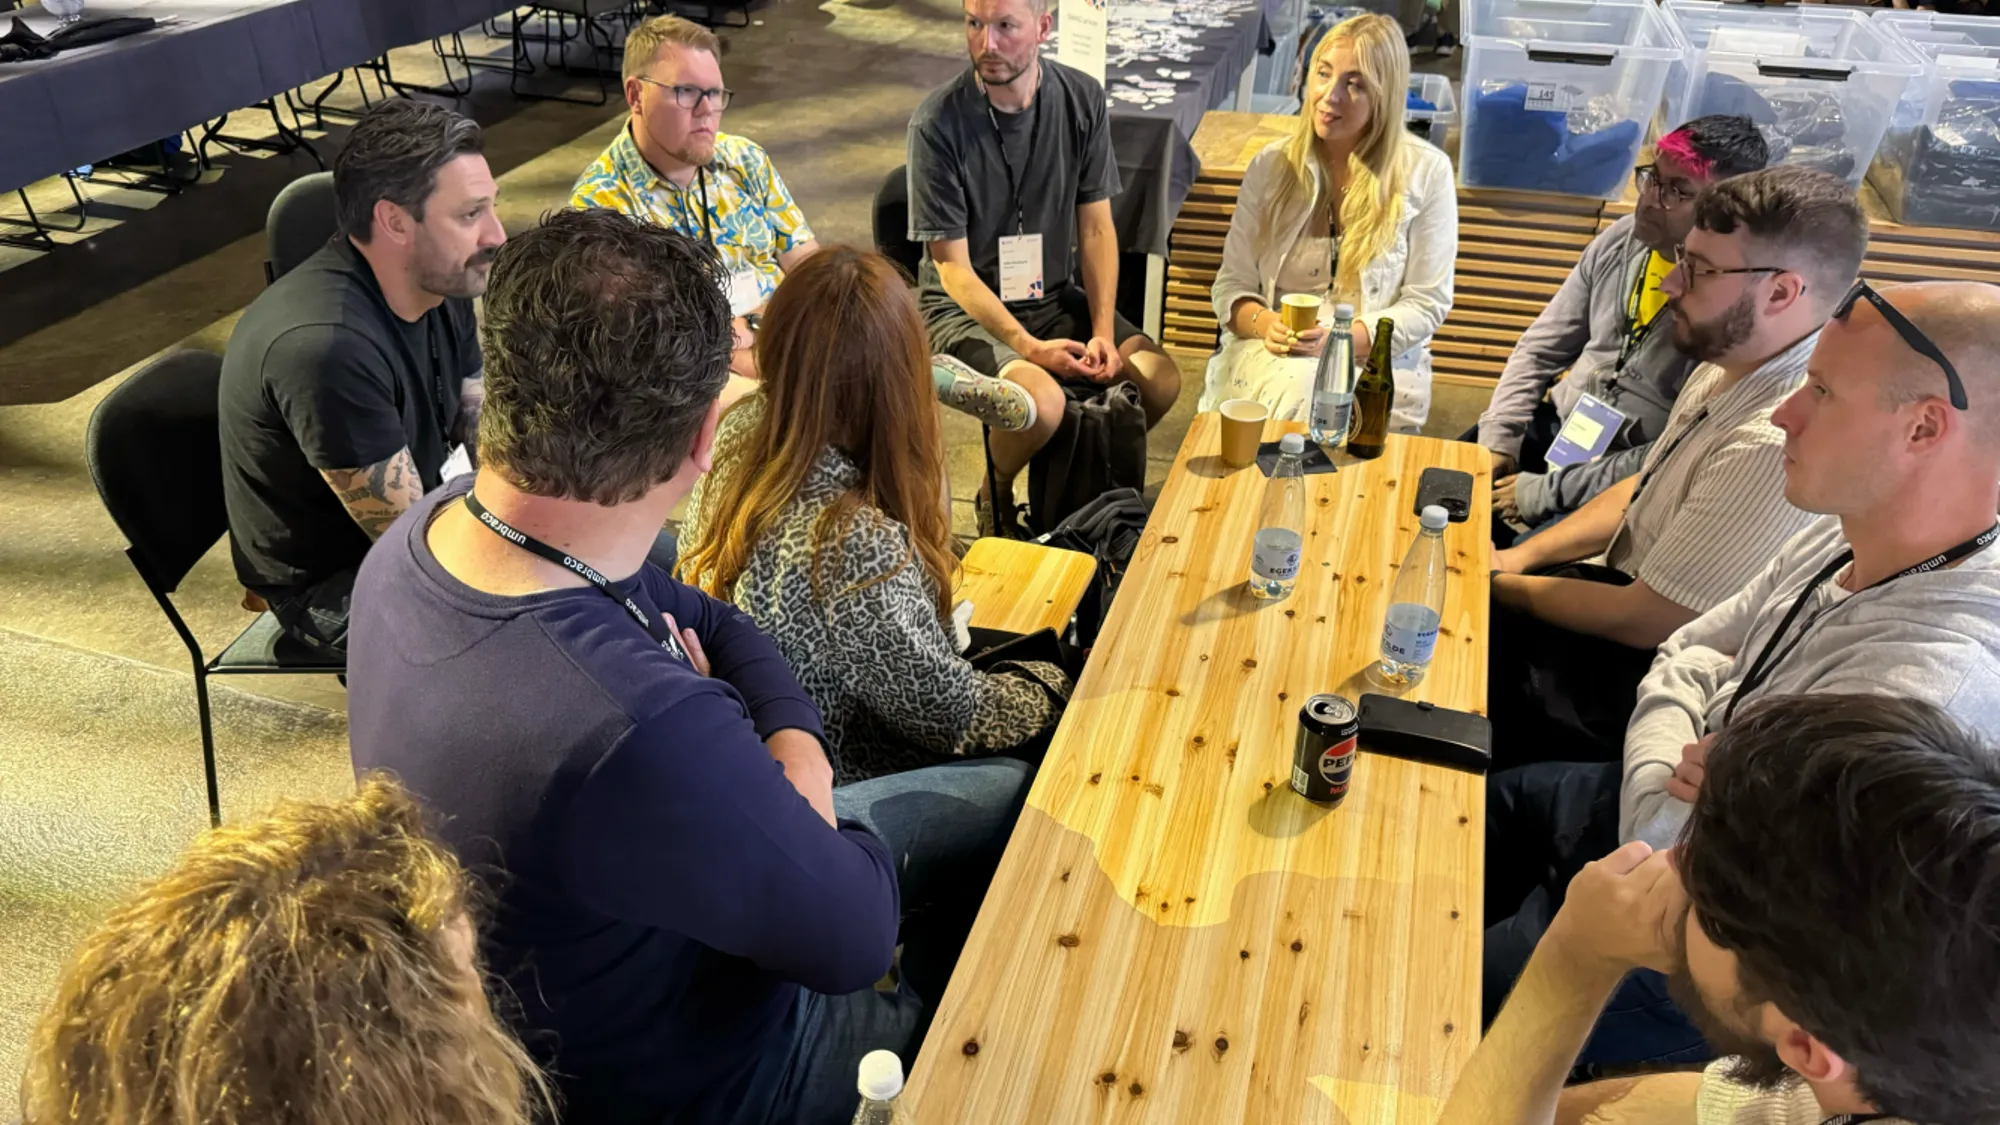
(207, 744)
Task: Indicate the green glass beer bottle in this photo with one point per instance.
(1373, 396)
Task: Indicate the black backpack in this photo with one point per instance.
(1100, 447)
(1107, 529)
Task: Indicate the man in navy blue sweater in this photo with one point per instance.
(691, 918)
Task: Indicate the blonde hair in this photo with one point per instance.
(298, 969)
(1379, 165)
(642, 46)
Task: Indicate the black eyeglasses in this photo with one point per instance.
(1911, 334)
(691, 97)
(1671, 195)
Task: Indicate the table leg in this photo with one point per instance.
(1156, 295)
(1246, 86)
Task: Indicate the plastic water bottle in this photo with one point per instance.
(1333, 384)
(1416, 605)
(880, 1083)
(1274, 555)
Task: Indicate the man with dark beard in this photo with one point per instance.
(1769, 255)
(1828, 919)
(351, 385)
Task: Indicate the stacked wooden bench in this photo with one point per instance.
(1514, 249)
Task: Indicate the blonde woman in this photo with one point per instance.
(314, 966)
(1350, 208)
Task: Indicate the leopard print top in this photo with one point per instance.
(891, 687)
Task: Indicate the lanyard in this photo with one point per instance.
(701, 182)
(1768, 660)
(438, 390)
(654, 629)
(1672, 446)
(1636, 332)
(1007, 162)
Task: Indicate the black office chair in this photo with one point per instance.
(301, 221)
(892, 223)
(156, 458)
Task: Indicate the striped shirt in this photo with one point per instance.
(1710, 510)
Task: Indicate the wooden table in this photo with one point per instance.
(1173, 935)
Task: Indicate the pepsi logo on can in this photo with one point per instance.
(1323, 762)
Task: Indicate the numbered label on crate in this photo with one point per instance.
(1410, 633)
(1549, 97)
(1275, 554)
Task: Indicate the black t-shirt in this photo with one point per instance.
(1060, 147)
(321, 374)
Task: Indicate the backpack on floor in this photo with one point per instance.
(1100, 447)
(1107, 529)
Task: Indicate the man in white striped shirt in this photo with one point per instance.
(1770, 255)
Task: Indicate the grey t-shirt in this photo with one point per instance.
(959, 184)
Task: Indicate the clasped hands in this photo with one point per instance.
(1096, 360)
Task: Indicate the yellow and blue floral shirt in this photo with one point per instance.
(752, 218)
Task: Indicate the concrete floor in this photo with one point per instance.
(100, 772)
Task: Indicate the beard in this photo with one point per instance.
(694, 152)
(462, 279)
(997, 70)
(1752, 1061)
(1716, 338)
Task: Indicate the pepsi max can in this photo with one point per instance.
(1323, 764)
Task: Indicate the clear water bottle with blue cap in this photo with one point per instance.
(1416, 605)
(1274, 554)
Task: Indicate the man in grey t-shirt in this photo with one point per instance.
(1011, 179)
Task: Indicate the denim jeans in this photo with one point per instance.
(1544, 822)
(946, 827)
(1558, 696)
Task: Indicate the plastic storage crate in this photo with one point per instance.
(1820, 82)
(1429, 110)
(1558, 93)
(1939, 165)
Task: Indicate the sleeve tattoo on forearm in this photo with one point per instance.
(376, 494)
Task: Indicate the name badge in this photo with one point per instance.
(457, 463)
(1587, 433)
(1021, 267)
(745, 292)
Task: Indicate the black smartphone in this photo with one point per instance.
(1425, 732)
(1449, 489)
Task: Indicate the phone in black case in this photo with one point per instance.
(1449, 489)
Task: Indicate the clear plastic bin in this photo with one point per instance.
(1820, 82)
(1939, 165)
(1558, 93)
(1434, 91)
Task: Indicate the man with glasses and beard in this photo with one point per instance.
(352, 385)
(673, 165)
(1894, 439)
(1828, 920)
(1579, 609)
(1605, 334)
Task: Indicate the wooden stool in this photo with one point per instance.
(1020, 587)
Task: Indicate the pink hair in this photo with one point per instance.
(1679, 144)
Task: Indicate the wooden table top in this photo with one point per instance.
(1174, 935)
(1020, 587)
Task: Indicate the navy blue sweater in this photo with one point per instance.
(661, 893)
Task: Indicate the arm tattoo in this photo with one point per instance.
(471, 397)
(376, 494)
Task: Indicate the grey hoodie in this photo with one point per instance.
(1932, 636)
(1581, 331)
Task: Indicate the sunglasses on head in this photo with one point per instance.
(1911, 334)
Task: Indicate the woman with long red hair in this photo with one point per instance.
(823, 521)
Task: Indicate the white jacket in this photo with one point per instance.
(1411, 284)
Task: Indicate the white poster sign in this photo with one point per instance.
(1081, 44)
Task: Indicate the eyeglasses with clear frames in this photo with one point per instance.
(691, 97)
(1689, 274)
(1647, 176)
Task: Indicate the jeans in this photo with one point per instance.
(1557, 696)
(946, 827)
(1544, 822)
